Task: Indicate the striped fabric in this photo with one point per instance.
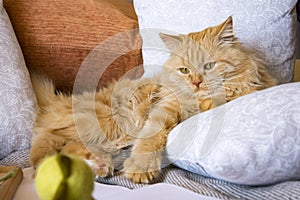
(215, 188)
(288, 190)
(18, 158)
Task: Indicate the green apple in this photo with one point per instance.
(64, 177)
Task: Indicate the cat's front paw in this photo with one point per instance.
(142, 168)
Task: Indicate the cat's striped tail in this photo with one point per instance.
(44, 89)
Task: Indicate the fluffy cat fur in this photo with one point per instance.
(205, 69)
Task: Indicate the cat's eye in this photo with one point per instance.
(184, 70)
(209, 66)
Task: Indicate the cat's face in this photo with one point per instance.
(204, 60)
(214, 64)
(194, 68)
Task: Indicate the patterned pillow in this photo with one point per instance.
(253, 140)
(17, 98)
(266, 25)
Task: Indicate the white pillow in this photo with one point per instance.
(253, 140)
(268, 26)
(17, 100)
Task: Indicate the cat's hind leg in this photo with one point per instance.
(44, 145)
(47, 144)
(99, 161)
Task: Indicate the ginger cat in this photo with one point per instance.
(205, 69)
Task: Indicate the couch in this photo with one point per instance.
(57, 38)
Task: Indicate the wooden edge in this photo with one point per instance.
(9, 186)
(297, 71)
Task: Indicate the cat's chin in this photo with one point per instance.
(196, 89)
(203, 93)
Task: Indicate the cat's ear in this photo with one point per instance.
(225, 34)
(171, 41)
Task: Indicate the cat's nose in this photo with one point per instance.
(197, 83)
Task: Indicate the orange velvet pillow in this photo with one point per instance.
(56, 36)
